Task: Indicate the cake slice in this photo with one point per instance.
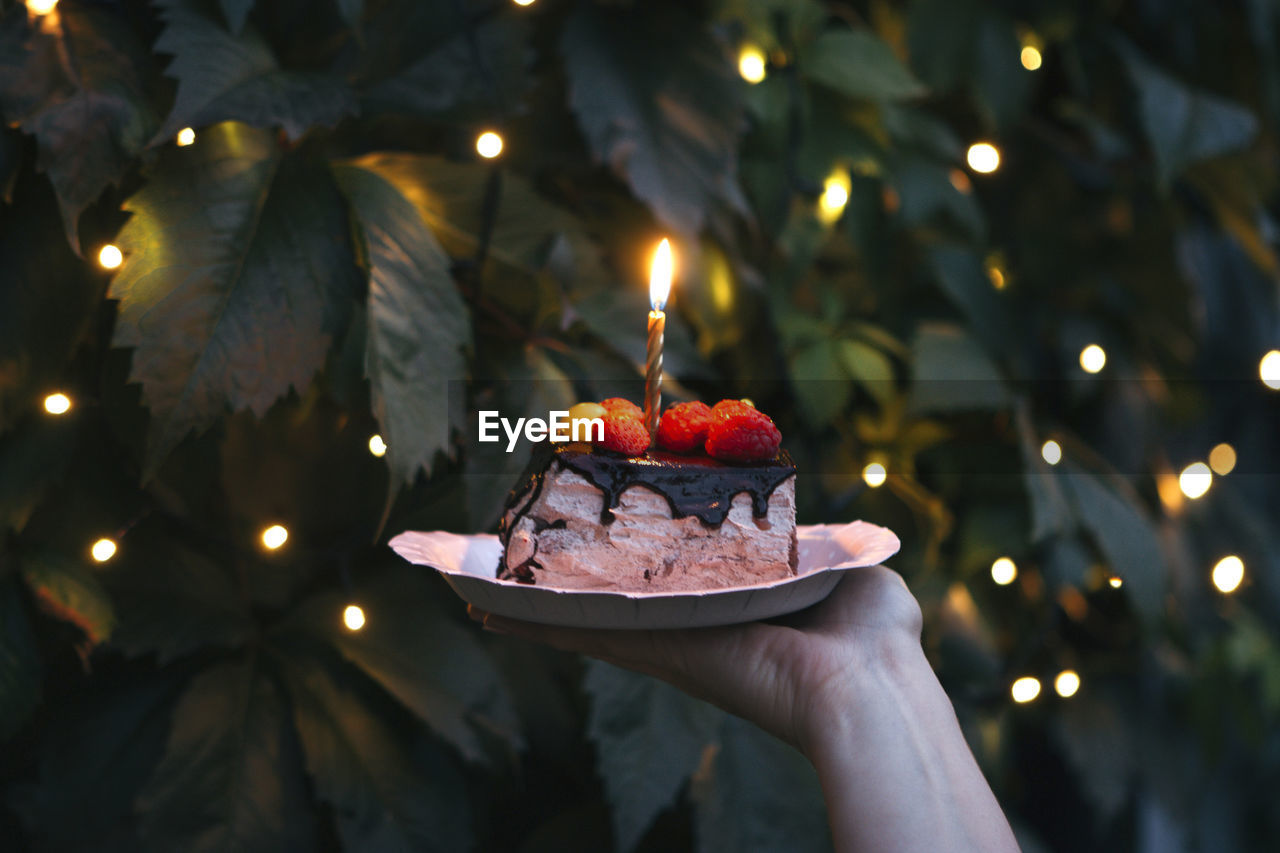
(584, 517)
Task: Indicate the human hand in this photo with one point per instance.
(786, 676)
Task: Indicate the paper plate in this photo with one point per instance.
(470, 565)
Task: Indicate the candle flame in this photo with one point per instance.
(660, 275)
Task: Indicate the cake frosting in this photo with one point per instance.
(583, 518)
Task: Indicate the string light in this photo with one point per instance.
(353, 615)
(1025, 689)
(983, 157)
(997, 276)
(1067, 683)
(1195, 480)
(1269, 370)
(523, 2)
(1228, 574)
(1115, 582)
(835, 195)
(110, 256)
(1093, 358)
(752, 65)
(103, 550)
(186, 136)
(1222, 459)
(489, 145)
(274, 536)
(41, 7)
(57, 404)
(1051, 452)
(1031, 58)
(377, 446)
(874, 475)
(1004, 571)
(960, 181)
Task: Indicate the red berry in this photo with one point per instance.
(725, 408)
(683, 427)
(743, 435)
(622, 406)
(624, 434)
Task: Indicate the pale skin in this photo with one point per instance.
(845, 682)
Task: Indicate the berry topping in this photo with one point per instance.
(683, 427)
(725, 408)
(625, 434)
(742, 434)
(622, 406)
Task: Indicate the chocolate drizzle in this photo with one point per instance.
(693, 486)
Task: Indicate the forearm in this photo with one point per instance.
(896, 772)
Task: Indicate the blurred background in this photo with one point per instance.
(1004, 273)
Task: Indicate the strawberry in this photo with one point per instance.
(622, 406)
(624, 434)
(683, 427)
(742, 434)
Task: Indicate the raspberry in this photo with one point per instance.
(625, 434)
(622, 406)
(743, 435)
(683, 427)
(725, 408)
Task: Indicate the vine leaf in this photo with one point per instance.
(859, 64)
(78, 88)
(68, 592)
(649, 739)
(228, 77)
(658, 102)
(418, 325)
(236, 12)
(231, 777)
(238, 266)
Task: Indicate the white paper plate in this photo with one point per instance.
(470, 565)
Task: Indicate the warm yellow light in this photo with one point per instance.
(274, 536)
(1269, 369)
(353, 616)
(489, 145)
(523, 2)
(751, 64)
(1067, 683)
(1228, 574)
(874, 475)
(57, 404)
(1093, 358)
(960, 181)
(110, 257)
(835, 195)
(1222, 459)
(186, 136)
(1004, 571)
(1115, 582)
(103, 550)
(983, 157)
(1051, 452)
(660, 272)
(1195, 480)
(997, 276)
(41, 7)
(377, 446)
(1031, 59)
(1025, 689)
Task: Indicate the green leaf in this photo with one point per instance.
(231, 777)
(1001, 85)
(1125, 535)
(650, 738)
(1050, 512)
(870, 368)
(951, 373)
(418, 323)
(389, 788)
(237, 269)
(412, 647)
(79, 89)
(236, 12)
(928, 197)
(19, 662)
(961, 276)
(33, 459)
(820, 381)
(1183, 124)
(760, 795)
(659, 104)
(225, 77)
(68, 591)
(859, 64)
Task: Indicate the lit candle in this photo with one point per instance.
(659, 287)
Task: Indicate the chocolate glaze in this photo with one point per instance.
(693, 486)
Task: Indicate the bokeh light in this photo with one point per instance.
(41, 7)
(1025, 689)
(1269, 369)
(752, 65)
(835, 195)
(874, 475)
(1228, 574)
(1051, 452)
(1093, 358)
(103, 550)
(186, 136)
(1067, 683)
(274, 536)
(983, 157)
(1031, 58)
(110, 256)
(57, 404)
(1222, 459)
(488, 145)
(1195, 480)
(377, 446)
(353, 617)
(1004, 571)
